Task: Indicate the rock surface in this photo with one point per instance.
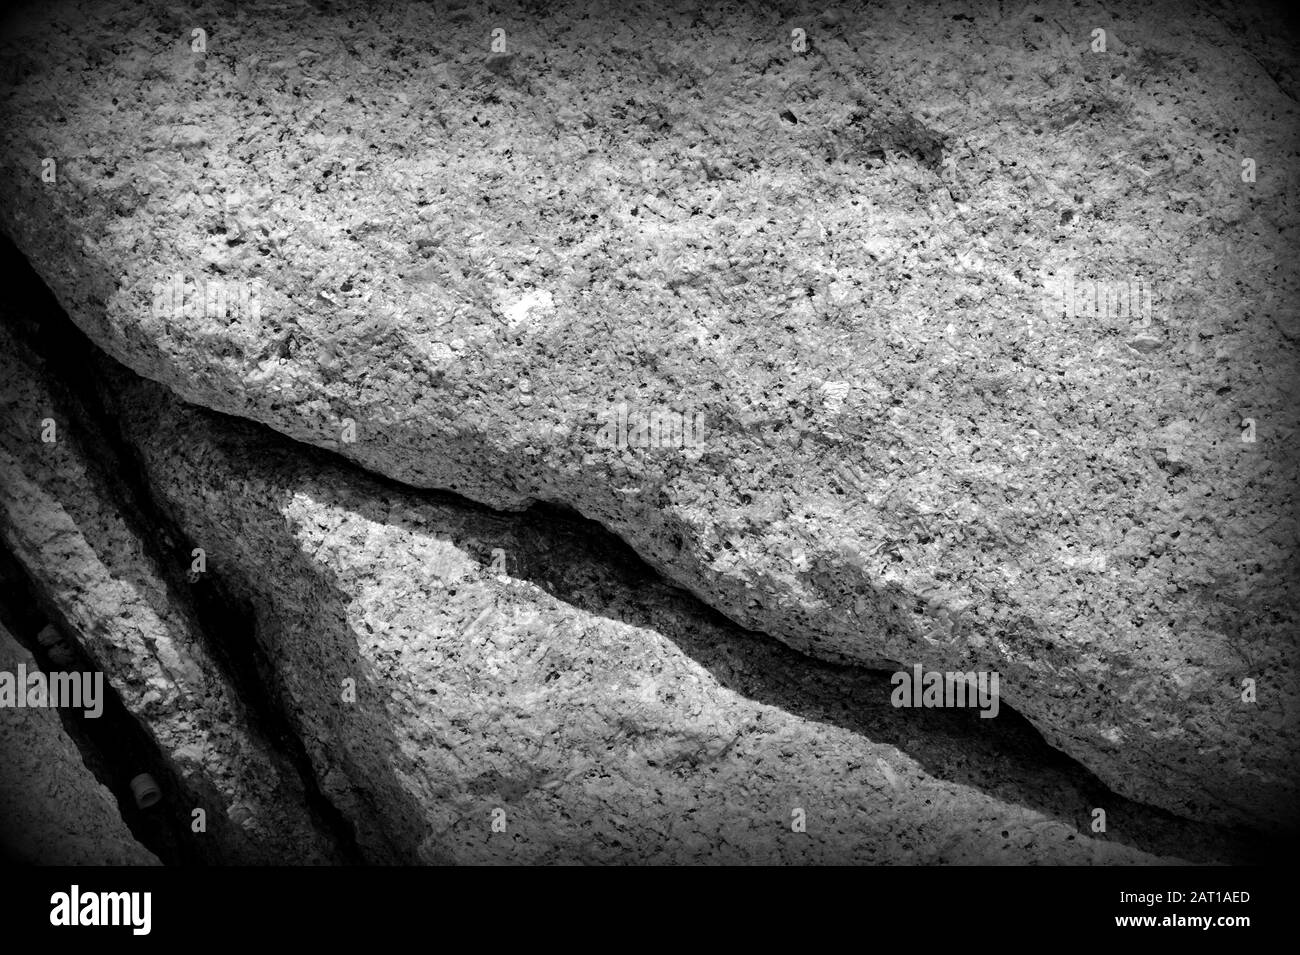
(52, 810)
(526, 670)
(453, 267)
(66, 525)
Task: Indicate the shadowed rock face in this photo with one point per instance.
(456, 266)
(52, 810)
(91, 564)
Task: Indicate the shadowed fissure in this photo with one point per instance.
(1005, 758)
(114, 746)
(226, 623)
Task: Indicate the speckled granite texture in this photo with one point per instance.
(457, 264)
(60, 518)
(527, 664)
(600, 712)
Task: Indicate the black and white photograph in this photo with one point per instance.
(649, 433)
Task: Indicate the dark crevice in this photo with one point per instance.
(114, 746)
(226, 624)
(256, 684)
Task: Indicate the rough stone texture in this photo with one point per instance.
(610, 716)
(907, 457)
(52, 810)
(92, 568)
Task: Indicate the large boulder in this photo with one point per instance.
(832, 265)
